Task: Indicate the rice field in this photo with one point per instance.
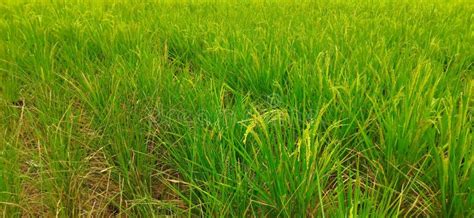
(236, 108)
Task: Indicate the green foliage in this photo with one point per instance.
(256, 108)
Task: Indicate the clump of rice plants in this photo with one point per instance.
(234, 109)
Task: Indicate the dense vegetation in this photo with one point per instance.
(255, 108)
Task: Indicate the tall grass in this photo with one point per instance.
(257, 108)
